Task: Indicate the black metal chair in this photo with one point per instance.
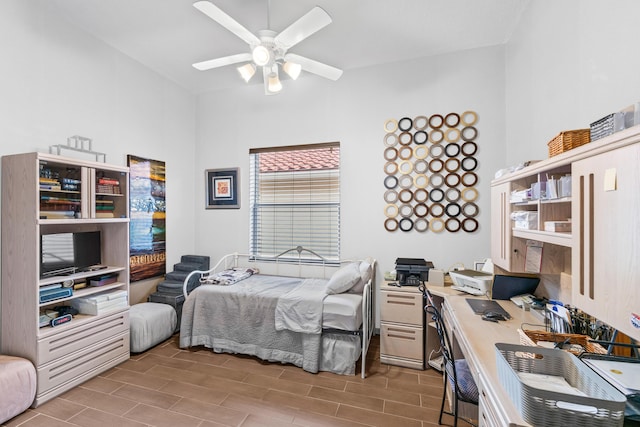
(456, 372)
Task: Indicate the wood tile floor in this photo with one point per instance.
(167, 386)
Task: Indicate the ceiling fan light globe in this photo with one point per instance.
(292, 69)
(274, 84)
(247, 71)
(261, 55)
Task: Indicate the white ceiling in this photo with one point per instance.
(169, 35)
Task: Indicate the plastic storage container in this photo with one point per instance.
(600, 404)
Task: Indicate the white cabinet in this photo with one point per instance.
(49, 195)
(606, 217)
(501, 225)
(402, 326)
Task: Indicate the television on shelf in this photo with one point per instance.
(68, 253)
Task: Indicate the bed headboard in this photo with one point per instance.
(284, 264)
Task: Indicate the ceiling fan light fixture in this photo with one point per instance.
(274, 85)
(247, 71)
(261, 55)
(292, 69)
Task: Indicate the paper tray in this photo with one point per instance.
(603, 404)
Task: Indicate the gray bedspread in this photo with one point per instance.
(300, 309)
(240, 318)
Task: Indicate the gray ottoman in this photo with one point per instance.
(150, 324)
(17, 386)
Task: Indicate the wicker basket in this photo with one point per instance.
(568, 140)
(531, 338)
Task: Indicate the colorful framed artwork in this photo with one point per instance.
(222, 188)
(147, 218)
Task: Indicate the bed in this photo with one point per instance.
(317, 316)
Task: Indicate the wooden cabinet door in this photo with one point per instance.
(501, 225)
(606, 237)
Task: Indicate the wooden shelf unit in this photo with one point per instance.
(65, 355)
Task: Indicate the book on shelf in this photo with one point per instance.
(104, 214)
(54, 187)
(108, 181)
(105, 279)
(49, 287)
(49, 214)
(100, 207)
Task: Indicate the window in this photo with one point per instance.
(295, 200)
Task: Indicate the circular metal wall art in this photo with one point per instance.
(390, 182)
(452, 165)
(436, 165)
(421, 210)
(436, 195)
(405, 124)
(452, 179)
(405, 153)
(391, 125)
(390, 154)
(452, 135)
(469, 118)
(436, 136)
(452, 209)
(436, 151)
(405, 138)
(420, 137)
(469, 148)
(420, 166)
(405, 196)
(452, 119)
(405, 167)
(391, 211)
(421, 195)
(421, 225)
(390, 224)
(436, 225)
(436, 121)
(436, 180)
(470, 210)
(390, 196)
(469, 194)
(420, 122)
(469, 133)
(406, 224)
(405, 181)
(420, 152)
(405, 210)
(469, 164)
(452, 150)
(452, 194)
(420, 181)
(469, 179)
(390, 140)
(452, 225)
(470, 225)
(390, 168)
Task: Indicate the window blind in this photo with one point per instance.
(295, 200)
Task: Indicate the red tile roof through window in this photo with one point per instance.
(298, 160)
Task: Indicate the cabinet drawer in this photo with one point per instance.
(402, 341)
(86, 362)
(402, 307)
(70, 340)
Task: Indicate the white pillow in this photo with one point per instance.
(343, 279)
(366, 271)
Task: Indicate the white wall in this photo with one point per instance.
(57, 81)
(569, 63)
(352, 111)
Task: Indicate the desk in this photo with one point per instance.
(476, 338)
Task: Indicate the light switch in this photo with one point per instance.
(610, 177)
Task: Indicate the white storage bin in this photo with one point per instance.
(595, 402)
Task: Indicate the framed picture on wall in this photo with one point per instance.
(222, 188)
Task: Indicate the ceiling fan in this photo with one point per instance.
(269, 49)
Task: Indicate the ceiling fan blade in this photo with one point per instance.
(221, 62)
(315, 67)
(308, 24)
(215, 13)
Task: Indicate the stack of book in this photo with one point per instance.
(50, 184)
(104, 209)
(102, 303)
(108, 186)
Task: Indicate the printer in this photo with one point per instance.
(412, 271)
(471, 281)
